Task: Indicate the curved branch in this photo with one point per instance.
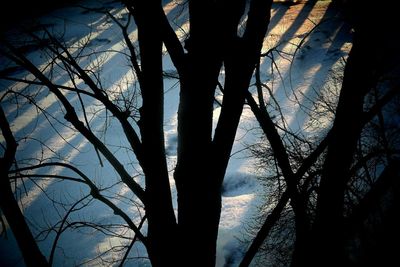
(52, 176)
(262, 234)
(131, 48)
(73, 89)
(122, 117)
(60, 231)
(72, 117)
(172, 44)
(131, 244)
(95, 192)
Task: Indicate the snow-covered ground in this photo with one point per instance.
(307, 30)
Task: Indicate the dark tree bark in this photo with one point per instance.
(9, 206)
(158, 201)
(346, 131)
(213, 40)
(368, 60)
(196, 191)
(162, 226)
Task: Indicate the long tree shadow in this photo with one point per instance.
(331, 54)
(303, 59)
(316, 51)
(79, 152)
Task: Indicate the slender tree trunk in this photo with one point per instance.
(162, 227)
(9, 206)
(16, 221)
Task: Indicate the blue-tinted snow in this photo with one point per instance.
(241, 191)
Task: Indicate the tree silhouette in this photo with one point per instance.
(198, 178)
(324, 188)
(327, 185)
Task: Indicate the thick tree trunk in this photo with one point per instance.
(201, 162)
(327, 240)
(199, 199)
(327, 236)
(198, 195)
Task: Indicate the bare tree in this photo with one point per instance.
(198, 178)
(340, 172)
(322, 187)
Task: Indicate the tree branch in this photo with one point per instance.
(130, 133)
(94, 191)
(131, 244)
(172, 44)
(262, 234)
(72, 117)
